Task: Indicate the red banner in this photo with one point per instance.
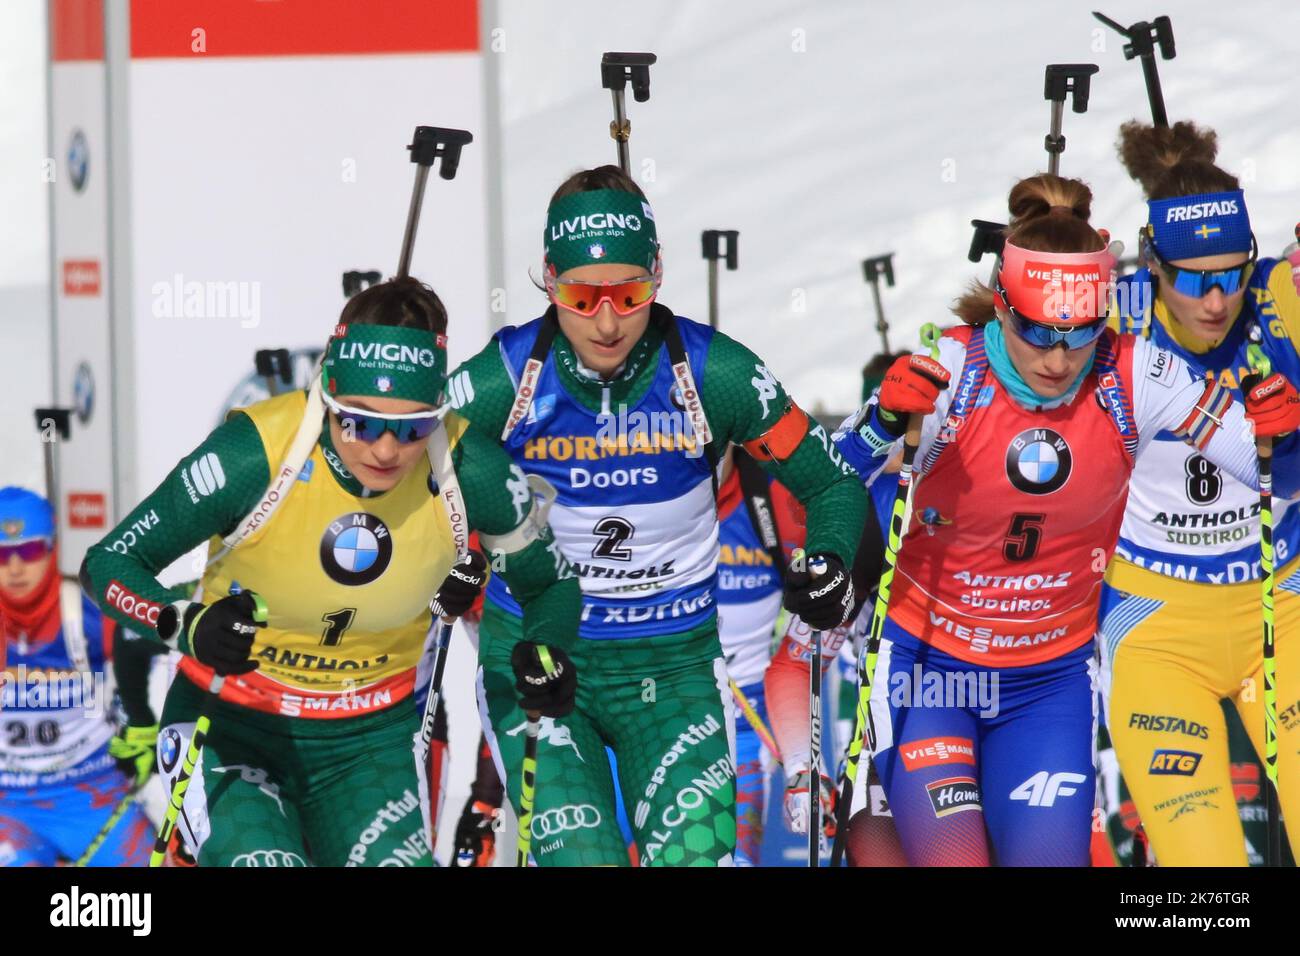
(76, 30)
(194, 28)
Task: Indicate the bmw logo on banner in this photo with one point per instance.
(356, 548)
(78, 160)
(1038, 461)
(83, 392)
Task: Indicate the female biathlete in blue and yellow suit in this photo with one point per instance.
(1181, 617)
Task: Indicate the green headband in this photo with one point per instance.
(604, 225)
(385, 361)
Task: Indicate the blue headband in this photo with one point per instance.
(1209, 224)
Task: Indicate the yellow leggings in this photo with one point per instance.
(1172, 650)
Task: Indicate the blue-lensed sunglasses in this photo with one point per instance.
(1042, 336)
(370, 426)
(1196, 283)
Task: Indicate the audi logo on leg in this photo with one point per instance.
(268, 858)
(568, 817)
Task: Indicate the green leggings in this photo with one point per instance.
(658, 703)
(285, 791)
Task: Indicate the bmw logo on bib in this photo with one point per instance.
(356, 548)
(1038, 461)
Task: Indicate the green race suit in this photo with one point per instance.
(635, 515)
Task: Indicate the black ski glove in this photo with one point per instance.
(823, 600)
(475, 839)
(220, 634)
(552, 694)
(462, 586)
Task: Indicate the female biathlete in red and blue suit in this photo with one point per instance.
(983, 694)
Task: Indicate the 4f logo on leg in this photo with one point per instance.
(1042, 789)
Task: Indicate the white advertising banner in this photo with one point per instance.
(81, 283)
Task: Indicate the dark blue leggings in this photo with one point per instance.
(986, 765)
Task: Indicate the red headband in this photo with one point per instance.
(1056, 288)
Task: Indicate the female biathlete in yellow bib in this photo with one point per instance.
(1181, 616)
(342, 508)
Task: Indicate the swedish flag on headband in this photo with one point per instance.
(1206, 224)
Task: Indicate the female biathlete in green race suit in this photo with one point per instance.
(625, 409)
(342, 508)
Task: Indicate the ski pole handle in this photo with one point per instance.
(55, 423)
(1262, 366)
(616, 71)
(1143, 37)
(711, 241)
(873, 270)
(1064, 80)
(428, 144)
(1260, 363)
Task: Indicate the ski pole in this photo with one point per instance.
(435, 683)
(57, 422)
(528, 779)
(1062, 80)
(815, 754)
(863, 725)
(118, 812)
(1143, 39)
(1261, 365)
(712, 241)
(874, 269)
(755, 721)
(195, 749)
(815, 724)
(428, 144)
(192, 753)
(616, 70)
